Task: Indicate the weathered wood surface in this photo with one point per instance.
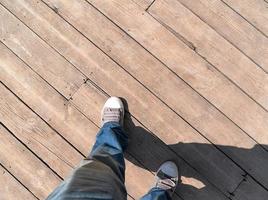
(145, 4)
(10, 187)
(101, 67)
(36, 176)
(103, 63)
(36, 134)
(233, 27)
(55, 111)
(182, 99)
(151, 151)
(30, 48)
(214, 48)
(60, 60)
(254, 11)
(197, 72)
(249, 191)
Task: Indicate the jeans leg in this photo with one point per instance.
(102, 174)
(110, 144)
(156, 194)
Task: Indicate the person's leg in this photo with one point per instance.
(157, 194)
(166, 182)
(102, 174)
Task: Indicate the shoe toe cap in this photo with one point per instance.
(114, 102)
(169, 168)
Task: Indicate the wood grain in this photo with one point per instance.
(148, 149)
(37, 135)
(47, 102)
(35, 175)
(99, 68)
(213, 47)
(170, 120)
(62, 116)
(90, 100)
(255, 11)
(42, 58)
(189, 66)
(11, 188)
(233, 27)
(144, 3)
(249, 191)
(151, 72)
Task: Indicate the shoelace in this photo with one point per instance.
(166, 182)
(111, 114)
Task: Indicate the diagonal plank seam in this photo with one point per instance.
(224, 37)
(34, 154)
(150, 5)
(70, 95)
(106, 94)
(231, 193)
(41, 78)
(244, 18)
(46, 124)
(174, 74)
(150, 92)
(50, 125)
(85, 80)
(103, 92)
(38, 157)
(195, 49)
(31, 108)
(135, 78)
(190, 44)
(12, 174)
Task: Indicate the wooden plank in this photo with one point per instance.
(63, 116)
(68, 113)
(144, 3)
(204, 78)
(248, 191)
(10, 188)
(151, 72)
(209, 44)
(35, 92)
(30, 48)
(36, 134)
(147, 148)
(255, 11)
(101, 73)
(89, 100)
(233, 27)
(29, 170)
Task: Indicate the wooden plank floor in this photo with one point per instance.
(193, 74)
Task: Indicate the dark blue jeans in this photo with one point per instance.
(101, 176)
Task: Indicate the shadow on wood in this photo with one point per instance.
(151, 152)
